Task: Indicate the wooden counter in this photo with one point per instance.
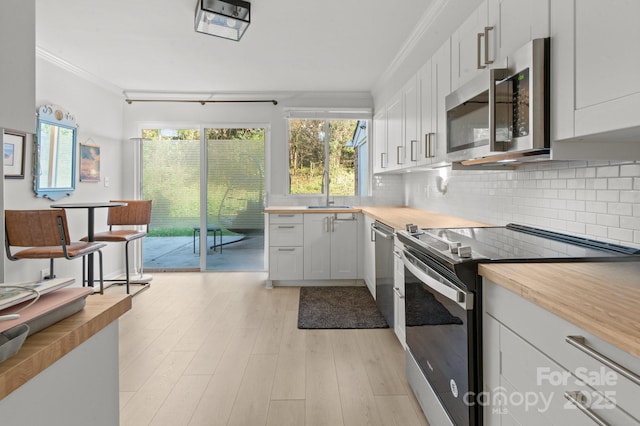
(601, 298)
(396, 217)
(46, 347)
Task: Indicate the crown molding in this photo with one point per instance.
(426, 22)
(73, 69)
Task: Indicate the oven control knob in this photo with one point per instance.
(464, 251)
(453, 246)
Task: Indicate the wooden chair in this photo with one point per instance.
(124, 227)
(46, 234)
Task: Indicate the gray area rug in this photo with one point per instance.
(338, 307)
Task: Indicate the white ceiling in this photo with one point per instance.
(291, 45)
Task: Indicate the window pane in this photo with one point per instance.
(306, 156)
(341, 157)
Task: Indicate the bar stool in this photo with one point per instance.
(127, 219)
(46, 234)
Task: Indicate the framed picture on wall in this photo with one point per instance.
(13, 147)
(89, 163)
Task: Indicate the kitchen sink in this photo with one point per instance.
(329, 207)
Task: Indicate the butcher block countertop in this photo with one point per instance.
(396, 217)
(601, 298)
(47, 346)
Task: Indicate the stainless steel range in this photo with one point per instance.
(443, 293)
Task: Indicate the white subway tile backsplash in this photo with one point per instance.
(596, 199)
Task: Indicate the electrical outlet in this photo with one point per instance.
(44, 274)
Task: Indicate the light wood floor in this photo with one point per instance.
(220, 349)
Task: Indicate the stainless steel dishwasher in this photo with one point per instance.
(383, 237)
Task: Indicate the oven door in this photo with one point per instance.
(440, 333)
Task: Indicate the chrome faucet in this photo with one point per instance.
(326, 180)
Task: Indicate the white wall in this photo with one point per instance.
(600, 200)
(98, 113)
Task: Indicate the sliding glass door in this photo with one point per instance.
(234, 198)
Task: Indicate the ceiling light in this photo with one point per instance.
(223, 18)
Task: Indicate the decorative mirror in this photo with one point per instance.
(54, 166)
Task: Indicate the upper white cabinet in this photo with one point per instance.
(18, 73)
(380, 153)
(494, 30)
(515, 23)
(410, 120)
(470, 47)
(595, 91)
(434, 80)
(395, 142)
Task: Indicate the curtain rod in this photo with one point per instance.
(202, 102)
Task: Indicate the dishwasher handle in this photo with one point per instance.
(381, 233)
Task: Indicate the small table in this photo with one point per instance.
(91, 207)
(215, 230)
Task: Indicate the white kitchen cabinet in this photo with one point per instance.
(369, 255)
(398, 294)
(496, 29)
(18, 73)
(286, 239)
(395, 141)
(468, 53)
(515, 23)
(596, 95)
(331, 246)
(435, 84)
(380, 152)
(526, 353)
(410, 120)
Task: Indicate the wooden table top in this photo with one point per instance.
(44, 348)
(601, 298)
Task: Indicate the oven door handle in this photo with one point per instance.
(461, 298)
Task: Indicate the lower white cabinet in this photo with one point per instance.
(331, 246)
(398, 294)
(369, 255)
(315, 246)
(534, 375)
(286, 241)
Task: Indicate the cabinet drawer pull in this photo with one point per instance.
(579, 342)
(285, 215)
(576, 398)
(286, 226)
(286, 249)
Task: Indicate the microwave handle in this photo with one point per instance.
(495, 74)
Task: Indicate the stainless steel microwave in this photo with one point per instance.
(503, 114)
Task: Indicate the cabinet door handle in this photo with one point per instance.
(383, 164)
(486, 45)
(398, 148)
(286, 226)
(579, 342)
(479, 52)
(326, 223)
(414, 144)
(428, 145)
(576, 398)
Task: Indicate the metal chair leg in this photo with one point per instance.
(126, 263)
(101, 272)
